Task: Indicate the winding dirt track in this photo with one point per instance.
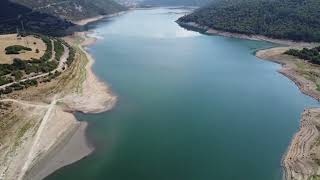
(25, 103)
(62, 63)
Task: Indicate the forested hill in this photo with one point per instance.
(175, 2)
(12, 16)
(73, 9)
(285, 19)
(51, 17)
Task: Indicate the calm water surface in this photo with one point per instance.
(191, 107)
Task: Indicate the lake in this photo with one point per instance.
(191, 106)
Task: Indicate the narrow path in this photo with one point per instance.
(33, 149)
(52, 4)
(25, 103)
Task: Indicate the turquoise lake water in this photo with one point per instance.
(191, 106)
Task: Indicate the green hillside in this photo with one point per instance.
(12, 15)
(73, 9)
(51, 17)
(286, 19)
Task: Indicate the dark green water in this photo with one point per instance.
(191, 107)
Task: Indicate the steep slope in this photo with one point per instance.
(52, 17)
(175, 2)
(12, 16)
(129, 3)
(285, 19)
(73, 9)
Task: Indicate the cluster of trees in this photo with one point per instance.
(28, 66)
(312, 54)
(48, 53)
(72, 54)
(58, 49)
(51, 76)
(284, 19)
(5, 80)
(15, 49)
(17, 75)
(45, 64)
(18, 86)
(19, 67)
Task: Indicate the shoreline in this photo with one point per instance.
(88, 102)
(295, 161)
(302, 158)
(209, 31)
(274, 55)
(96, 97)
(73, 145)
(87, 21)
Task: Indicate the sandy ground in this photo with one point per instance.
(88, 20)
(56, 138)
(96, 96)
(70, 144)
(66, 147)
(11, 39)
(301, 161)
(18, 139)
(97, 18)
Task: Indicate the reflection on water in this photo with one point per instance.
(191, 107)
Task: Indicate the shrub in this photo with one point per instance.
(59, 49)
(15, 49)
(311, 55)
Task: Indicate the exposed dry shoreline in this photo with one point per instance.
(210, 31)
(55, 138)
(65, 141)
(97, 18)
(302, 159)
(94, 97)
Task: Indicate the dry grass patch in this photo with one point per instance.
(29, 41)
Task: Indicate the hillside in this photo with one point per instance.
(285, 19)
(13, 15)
(73, 9)
(52, 17)
(175, 2)
(129, 3)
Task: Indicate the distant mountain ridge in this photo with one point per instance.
(51, 17)
(284, 19)
(129, 3)
(73, 9)
(175, 2)
(13, 16)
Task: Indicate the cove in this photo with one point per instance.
(191, 106)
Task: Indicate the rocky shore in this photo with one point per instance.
(301, 161)
(94, 97)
